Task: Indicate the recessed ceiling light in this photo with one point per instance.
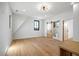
(45, 15)
(24, 10)
(75, 6)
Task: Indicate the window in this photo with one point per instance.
(36, 25)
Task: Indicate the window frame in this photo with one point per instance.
(36, 27)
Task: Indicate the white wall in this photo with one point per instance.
(17, 20)
(5, 35)
(76, 22)
(64, 16)
(69, 25)
(45, 26)
(27, 28)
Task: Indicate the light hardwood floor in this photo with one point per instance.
(34, 47)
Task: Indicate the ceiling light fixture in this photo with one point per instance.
(44, 7)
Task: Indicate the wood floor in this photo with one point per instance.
(34, 47)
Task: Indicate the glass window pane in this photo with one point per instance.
(36, 24)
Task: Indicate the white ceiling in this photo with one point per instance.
(31, 8)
